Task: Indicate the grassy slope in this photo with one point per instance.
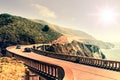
(18, 30)
(11, 69)
(77, 34)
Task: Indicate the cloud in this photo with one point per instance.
(44, 11)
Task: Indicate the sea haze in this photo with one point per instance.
(112, 54)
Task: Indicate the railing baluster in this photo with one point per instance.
(55, 71)
(45, 68)
(119, 67)
(52, 71)
(48, 69)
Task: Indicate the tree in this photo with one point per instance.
(45, 28)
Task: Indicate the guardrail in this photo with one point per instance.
(101, 63)
(107, 64)
(49, 71)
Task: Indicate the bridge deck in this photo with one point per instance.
(80, 72)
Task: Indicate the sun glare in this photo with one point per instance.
(107, 16)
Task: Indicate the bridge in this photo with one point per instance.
(56, 69)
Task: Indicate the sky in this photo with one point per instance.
(99, 18)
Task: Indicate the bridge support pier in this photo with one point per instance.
(32, 76)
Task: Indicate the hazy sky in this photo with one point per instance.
(84, 15)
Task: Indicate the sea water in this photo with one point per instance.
(112, 54)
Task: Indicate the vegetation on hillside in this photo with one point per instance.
(18, 30)
(11, 69)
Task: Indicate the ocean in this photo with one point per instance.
(112, 54)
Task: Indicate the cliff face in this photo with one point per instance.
(77, 49)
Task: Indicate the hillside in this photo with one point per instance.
(78, 35)
(11, 69)
(69, 33)
(18, 30)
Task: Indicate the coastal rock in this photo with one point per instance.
(76, 49)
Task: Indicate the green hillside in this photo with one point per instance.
(68, 32)
(18, 30)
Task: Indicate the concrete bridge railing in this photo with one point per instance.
(107, 64)
(101, 63)
(49, 71)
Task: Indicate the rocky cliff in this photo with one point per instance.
(76, 49)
